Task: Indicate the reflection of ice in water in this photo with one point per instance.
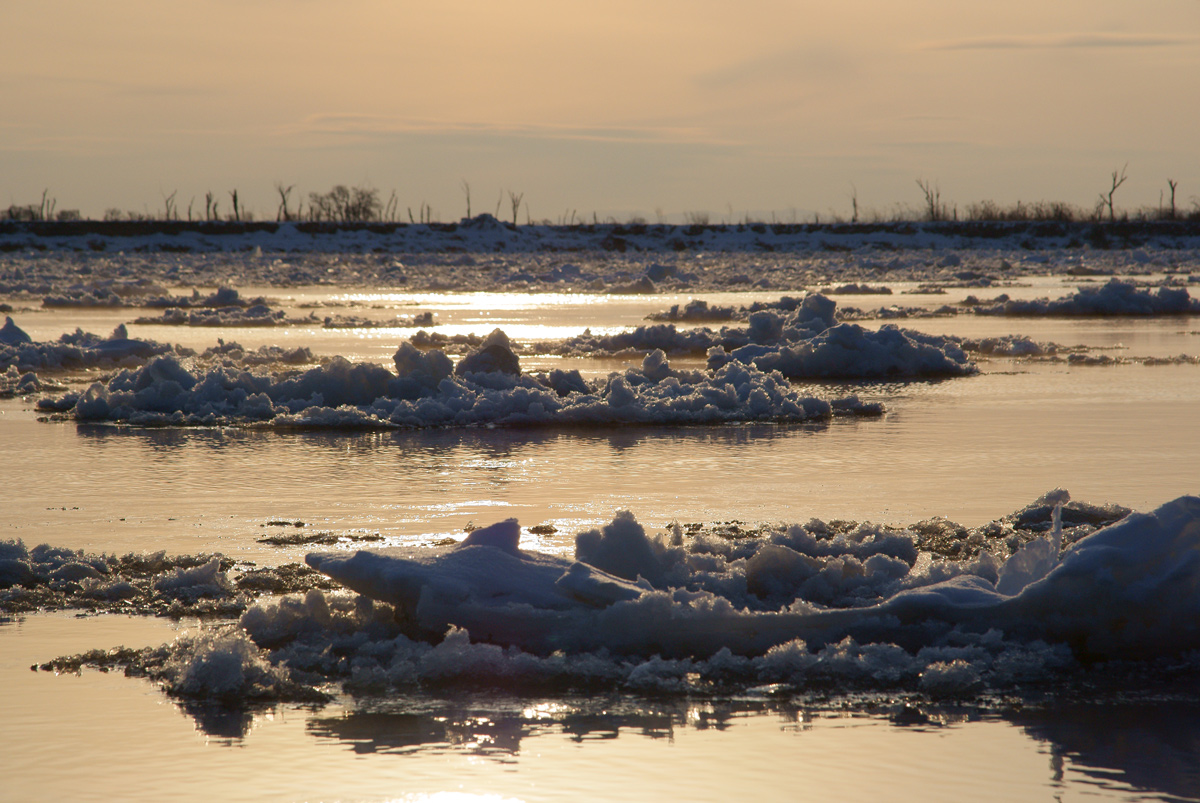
(542, 747)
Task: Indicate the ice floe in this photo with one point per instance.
(848, 351)
(799, 338)
(255, 315)
(76, 351)
(857, 289)
(1127, 589)
(1116, 297)
(79, 351)
(486, 387)
(398, 322)
(1055, 592)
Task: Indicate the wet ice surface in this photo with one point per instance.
(970, 449)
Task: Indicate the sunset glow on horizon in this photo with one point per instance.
(785, 108)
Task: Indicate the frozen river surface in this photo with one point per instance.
(970, 449)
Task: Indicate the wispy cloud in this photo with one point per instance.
(96, 84)
(817, 61)
(372, 125)
(1063, 41)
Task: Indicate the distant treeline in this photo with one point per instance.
(344, 204)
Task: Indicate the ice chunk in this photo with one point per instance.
(486, 569)
(494, 355)
(11, 334)
(190, 584)
(1129, 589)
(850, 351)
(503, 535)
(620, 548)
(1116, 297)
(595, 588)
(1034, 560)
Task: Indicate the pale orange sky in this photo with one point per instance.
(616, 108)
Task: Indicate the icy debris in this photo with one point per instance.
(233, 355)
(255, 315)
(438, 340)
(216, 666)
(584, 259)
(696, 310)
(640, 340)
(75, 351)
(1009, 346)
(142, 293)
(799, 339)
(226, 668)
(399, 322)
(17, 383)
(857, 289)
(1116, 297)
(195, 583)
(894, 312)
(643, 285)
(1038, 516)
(106, 293)
(487, 387)
(47, 577)
(848, 351)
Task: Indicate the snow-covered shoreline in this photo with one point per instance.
(486, 233)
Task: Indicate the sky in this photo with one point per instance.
(764, 108)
